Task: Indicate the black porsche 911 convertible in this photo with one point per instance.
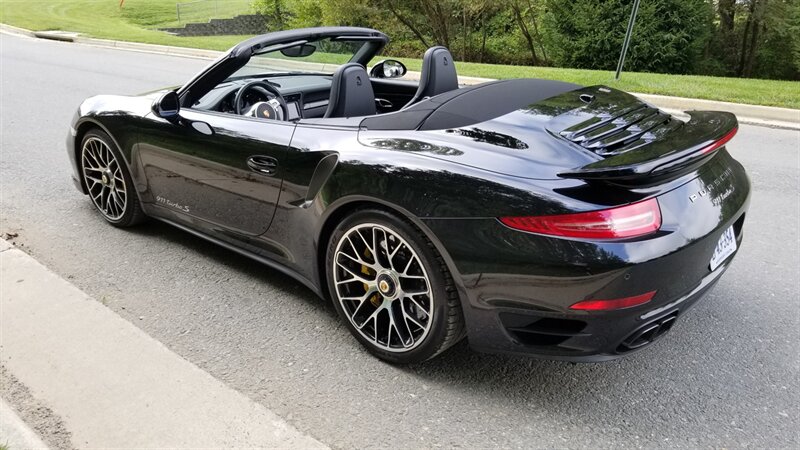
(532, 216)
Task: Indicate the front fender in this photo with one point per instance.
(116, 116)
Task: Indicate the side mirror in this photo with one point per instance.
(168, 106)
(388, 68)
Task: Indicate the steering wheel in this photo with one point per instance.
(274, 108)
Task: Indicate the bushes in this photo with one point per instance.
(669, 36)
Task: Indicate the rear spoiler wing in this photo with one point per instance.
(682, 150)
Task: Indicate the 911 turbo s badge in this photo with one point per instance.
(170, 203)
(713, 187)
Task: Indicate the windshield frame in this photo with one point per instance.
(329, 54)
(238, 56)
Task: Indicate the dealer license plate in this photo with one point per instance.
(725, 248)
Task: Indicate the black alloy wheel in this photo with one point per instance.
(392, 288)
(106, 177)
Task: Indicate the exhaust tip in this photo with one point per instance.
(647, 334)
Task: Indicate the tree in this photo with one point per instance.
(466, 27)
(669, 36)
(794, 31)
(751, 38)
(404, 17)
(525, 13)
(756, 38)
(431, 21)
(773, 44)
(275, 11)
(727, 12)
(750, 41)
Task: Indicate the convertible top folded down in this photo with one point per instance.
(470, 105)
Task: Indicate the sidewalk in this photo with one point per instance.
(111, 384)
(750, 114)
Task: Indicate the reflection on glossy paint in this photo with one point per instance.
(412, 145)
(490, 137)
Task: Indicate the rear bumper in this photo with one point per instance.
(580, 338)
(517, 288)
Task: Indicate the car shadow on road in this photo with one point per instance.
(459, 362)
(669, 380)
(155, 229)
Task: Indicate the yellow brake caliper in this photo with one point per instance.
(375, 299)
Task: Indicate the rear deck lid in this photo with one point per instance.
(636, 143)
(538, 129)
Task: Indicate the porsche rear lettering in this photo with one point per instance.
(713, 186)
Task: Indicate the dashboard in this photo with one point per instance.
(306, 95)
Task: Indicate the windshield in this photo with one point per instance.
(302, 56)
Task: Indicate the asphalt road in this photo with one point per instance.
(727, 375)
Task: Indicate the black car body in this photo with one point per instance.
(481, 172)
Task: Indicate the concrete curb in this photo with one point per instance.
(112, 384)
(150, 48)
(56, 35)
(751, 114)
(16, 434)
(16, 30)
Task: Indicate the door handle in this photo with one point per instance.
(266, 165)
(383, 103)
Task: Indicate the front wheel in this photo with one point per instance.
(106, 177)
(392, 288)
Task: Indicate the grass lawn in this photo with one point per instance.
(139, 19)
(756, 92)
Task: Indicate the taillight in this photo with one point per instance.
(637, 219)
(722, 141)
(617, 303)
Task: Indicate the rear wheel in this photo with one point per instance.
(392, 288)
(106, 177)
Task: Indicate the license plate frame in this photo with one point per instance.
(726, 246)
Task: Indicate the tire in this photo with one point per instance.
(404, 309)
(105, 175)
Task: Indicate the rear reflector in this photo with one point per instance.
(637, 219)
(724, 140)
(617, 303)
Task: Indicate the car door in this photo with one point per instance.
(220, 168)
